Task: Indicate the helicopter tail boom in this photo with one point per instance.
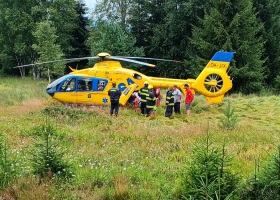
(213, 82)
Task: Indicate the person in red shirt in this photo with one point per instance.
(157, 93)
(189, 99)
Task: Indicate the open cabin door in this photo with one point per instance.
(127, 93)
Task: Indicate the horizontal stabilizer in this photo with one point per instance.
(223, 56)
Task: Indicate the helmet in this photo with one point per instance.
(146, 83)
(150, 87)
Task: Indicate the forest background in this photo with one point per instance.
(190, 31)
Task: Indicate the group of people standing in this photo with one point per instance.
(173, 100)
(150, 99)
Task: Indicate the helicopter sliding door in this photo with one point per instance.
(84, 90)
(90, 91)
(127, 93)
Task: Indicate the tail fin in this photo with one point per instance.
(213, 82)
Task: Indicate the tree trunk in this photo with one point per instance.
(34, 72)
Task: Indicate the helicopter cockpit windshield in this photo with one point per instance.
(54, 85)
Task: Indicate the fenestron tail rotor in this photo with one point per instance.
(213, 83)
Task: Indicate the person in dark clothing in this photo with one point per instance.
(169, 102)
(151, 100)
(114, 94)
(143, 94)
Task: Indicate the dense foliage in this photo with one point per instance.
(187, 30)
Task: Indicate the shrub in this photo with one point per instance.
(55, 111)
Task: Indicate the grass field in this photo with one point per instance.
(129, 157)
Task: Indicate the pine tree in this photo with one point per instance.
(231, 26)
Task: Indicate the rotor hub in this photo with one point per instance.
(213, 83)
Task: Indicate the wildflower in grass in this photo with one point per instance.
(124, 168)
(80, 165)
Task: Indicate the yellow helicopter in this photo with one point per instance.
(90, 86)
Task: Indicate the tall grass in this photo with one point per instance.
(15, 90)
(130, 156)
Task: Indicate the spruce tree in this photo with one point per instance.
(269, 14)
(231, 26)
(111, 38)
(48, 49)
(79, 37)
(170, 39)
(209, 175)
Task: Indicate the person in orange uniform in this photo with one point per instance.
(157, 93)
(189, 99)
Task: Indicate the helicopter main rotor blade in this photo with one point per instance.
(144, 58)
(62, 60)
(129, 60)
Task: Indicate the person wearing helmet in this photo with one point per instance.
(151, 100)
(143, 92)
(169, 102)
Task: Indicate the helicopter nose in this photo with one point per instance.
(51, 93)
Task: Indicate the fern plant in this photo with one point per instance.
(229, 120)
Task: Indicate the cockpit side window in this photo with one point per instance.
(69, 85)
(84, 84)
(101, 85)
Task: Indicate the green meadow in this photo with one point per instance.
(129, 157)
